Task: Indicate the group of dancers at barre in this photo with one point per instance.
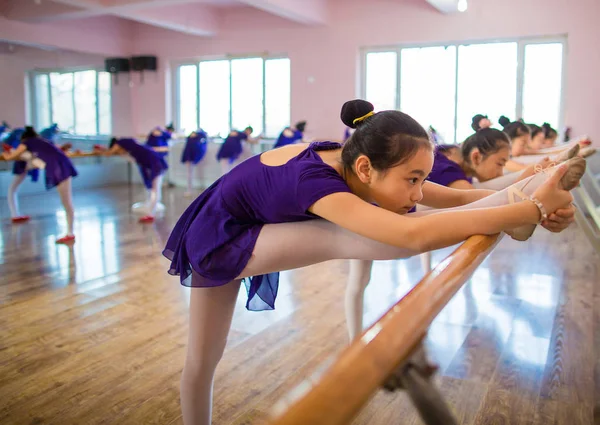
(32, 152)
(387, 192)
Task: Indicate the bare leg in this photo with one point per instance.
(211, 312)
(66, 197)
(13, 200)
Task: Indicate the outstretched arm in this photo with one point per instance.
(438, 196)
(15, 153)
(429, 232)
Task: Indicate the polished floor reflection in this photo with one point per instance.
(96, 333)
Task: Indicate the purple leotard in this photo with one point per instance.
(150, 163)
(195, 147)
(58, 166)
(283, 140)
(215, 236)
(159, 141)
(231, 148)
(445, 171)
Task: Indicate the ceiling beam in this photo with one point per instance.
(307, 12)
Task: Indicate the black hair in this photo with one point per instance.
(513, 129)
(112, 142)
(300, 126)
(249, 128)
(549, 132)
(170, 127)
(535, 129)
(476, 120)
(29, 133)
(487, 141)
(387, 138)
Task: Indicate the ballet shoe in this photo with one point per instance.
(66, 239)
(147, 219)
(568, 181)
(6, 147)
(66, 147)
(20, 219)
(566, 155)
(585, 152)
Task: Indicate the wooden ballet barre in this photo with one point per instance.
(361, 369)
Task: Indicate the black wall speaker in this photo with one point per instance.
(144, 63)
(116, 65)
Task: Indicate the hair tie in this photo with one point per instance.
(359, 119)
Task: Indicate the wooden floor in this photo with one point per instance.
(95, 334)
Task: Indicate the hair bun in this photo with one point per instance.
(503, 121)
(354, 109)
(546, 125)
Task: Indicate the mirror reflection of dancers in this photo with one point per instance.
(152, 167)
(58, 170)
(193, 152)
(291, 135)
(21, 169)
(232, 148)
(159, 138)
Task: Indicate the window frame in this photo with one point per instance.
(521, 43)
(175, 83)
(34, 118)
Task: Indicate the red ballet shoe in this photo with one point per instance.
(6, 147)
(66, 147)
(66, 239)
(147, 219)
(20, 219)
(99, 147)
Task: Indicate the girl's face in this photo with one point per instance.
(537, 141)
(549, 141)
(398, 189)
(485, 123)
(490, 167)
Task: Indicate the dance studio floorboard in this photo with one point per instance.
(96, 333)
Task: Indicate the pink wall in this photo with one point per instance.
(330, 54)
(107, 36)
(13, 70)
(326, 55)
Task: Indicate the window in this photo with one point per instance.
(221, 95)
(277, 96)
(445, 86)
(427, 87)
(382, 79)
(542, 83)
(79, 101)
(487, 84)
